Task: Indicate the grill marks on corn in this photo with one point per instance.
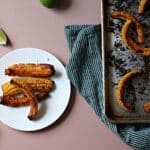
(29, 69)
(32, 82)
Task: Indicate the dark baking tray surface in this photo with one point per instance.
(118, 60)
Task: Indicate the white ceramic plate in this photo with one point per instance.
(51, 108)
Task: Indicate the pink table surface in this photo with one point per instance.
(28, 24)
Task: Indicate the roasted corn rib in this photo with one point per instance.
(120, 89)
(142, 6)
(30, 70)
(15, 101)
(40, 84)
(37, 84)
(10, 89)
(144, 51)
(27, 90)
(147, 107)
(127, 16)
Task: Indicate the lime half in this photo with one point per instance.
(48, 3)
(3, 38)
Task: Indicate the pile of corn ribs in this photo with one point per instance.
(30, 84)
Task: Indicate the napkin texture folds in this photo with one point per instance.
(85, 73)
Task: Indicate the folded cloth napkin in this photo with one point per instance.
(85, 72)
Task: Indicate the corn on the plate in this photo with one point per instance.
(27, 90)
(37, 84)
(30, 70)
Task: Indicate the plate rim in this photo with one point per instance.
(69, 87)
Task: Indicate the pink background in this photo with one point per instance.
(29, 24)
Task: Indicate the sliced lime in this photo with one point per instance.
(3, 38)
(48, 3)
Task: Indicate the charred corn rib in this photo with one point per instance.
(37, 84)
(15, 101)
(10, 89)
(120, 90)
(147, 107)
(30, 70)
(142, 6)
(27, 90)
(40, 84)
(127, 16)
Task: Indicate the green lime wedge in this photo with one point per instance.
(3, 38)
(48, 3)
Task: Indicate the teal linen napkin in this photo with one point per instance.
(85, 72)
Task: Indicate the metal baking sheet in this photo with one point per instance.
(118, 60)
